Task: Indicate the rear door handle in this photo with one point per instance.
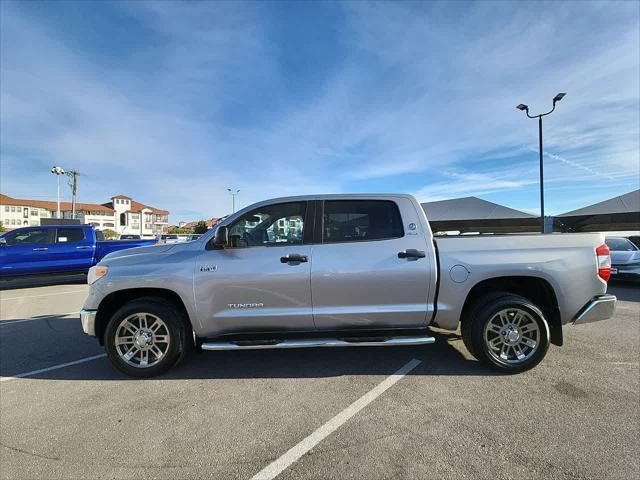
(411, 253)
(85, 247)
(294, 258)
(42, 249)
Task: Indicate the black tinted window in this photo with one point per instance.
(361, 220)
(271, 225)
(70, 235)
(28, 237)
(620, 245)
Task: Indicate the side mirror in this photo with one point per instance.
(221, 240)
(3, 242)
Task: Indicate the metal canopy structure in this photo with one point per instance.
(620, 213)
(472, 214)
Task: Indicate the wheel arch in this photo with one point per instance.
(115, 300)
(536, 289)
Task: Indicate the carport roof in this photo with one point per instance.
(627, 203)
(470, 208)
(620, 213)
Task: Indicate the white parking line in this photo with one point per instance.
(4, 323)
(42, 295)
(55, 367)
(272, 470)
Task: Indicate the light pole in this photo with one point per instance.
(57, 171)
(525, 108)
(233, 198)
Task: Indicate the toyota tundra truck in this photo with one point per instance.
(344, 271)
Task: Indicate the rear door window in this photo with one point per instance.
(361, 221)
(69, 235)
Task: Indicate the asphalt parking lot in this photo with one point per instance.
(235, 414)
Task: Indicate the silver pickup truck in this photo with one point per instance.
(344, 270)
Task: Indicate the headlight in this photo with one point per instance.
(96, 273)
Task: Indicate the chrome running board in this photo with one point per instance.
(329, 342)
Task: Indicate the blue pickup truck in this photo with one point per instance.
(56, 249)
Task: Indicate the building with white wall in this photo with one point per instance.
(122, 214)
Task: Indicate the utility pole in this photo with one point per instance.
(74, 190)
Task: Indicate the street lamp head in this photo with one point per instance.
(57, 170)
(558, 97)
(523, 107)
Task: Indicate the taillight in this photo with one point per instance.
(604, 262)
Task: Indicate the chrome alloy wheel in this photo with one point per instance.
(512, 336)
(142, 340)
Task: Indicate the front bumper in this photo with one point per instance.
(598, 308)
(88, 321)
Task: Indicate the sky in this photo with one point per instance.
(172, 103)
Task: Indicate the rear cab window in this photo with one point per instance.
(360, 221)
(69, 235)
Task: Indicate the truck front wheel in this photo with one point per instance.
(145, 337)
(507, 332)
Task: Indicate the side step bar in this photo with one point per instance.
(330, 342)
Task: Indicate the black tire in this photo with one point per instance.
(175, 327)
(486, 309)
(472, 311)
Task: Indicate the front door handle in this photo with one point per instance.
(411, 253)
(43, 249)
(294, 258)
(85, 247)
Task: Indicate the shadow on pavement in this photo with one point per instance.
(625, 291)
(43, 281)
(441, 358)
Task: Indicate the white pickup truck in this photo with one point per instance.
(344, 270)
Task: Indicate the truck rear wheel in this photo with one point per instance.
(507, 332)
(145, 337)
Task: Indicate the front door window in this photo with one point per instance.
(28, 237)
(271, 225)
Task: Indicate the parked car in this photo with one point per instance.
(194, 236)
(55, 249)
(129, 236)
(344, 270)
(625, 258)
(167, 238)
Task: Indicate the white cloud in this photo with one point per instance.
(416, 88)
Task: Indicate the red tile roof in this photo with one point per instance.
(66, 206)
(52, 206)
(210, 223)
(138, 207)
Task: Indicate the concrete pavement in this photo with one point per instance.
(230, 414)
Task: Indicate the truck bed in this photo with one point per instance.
(467, 260)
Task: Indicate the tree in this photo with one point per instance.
(201, 227)
(179, 230)
(108, 233)
(2, 229)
